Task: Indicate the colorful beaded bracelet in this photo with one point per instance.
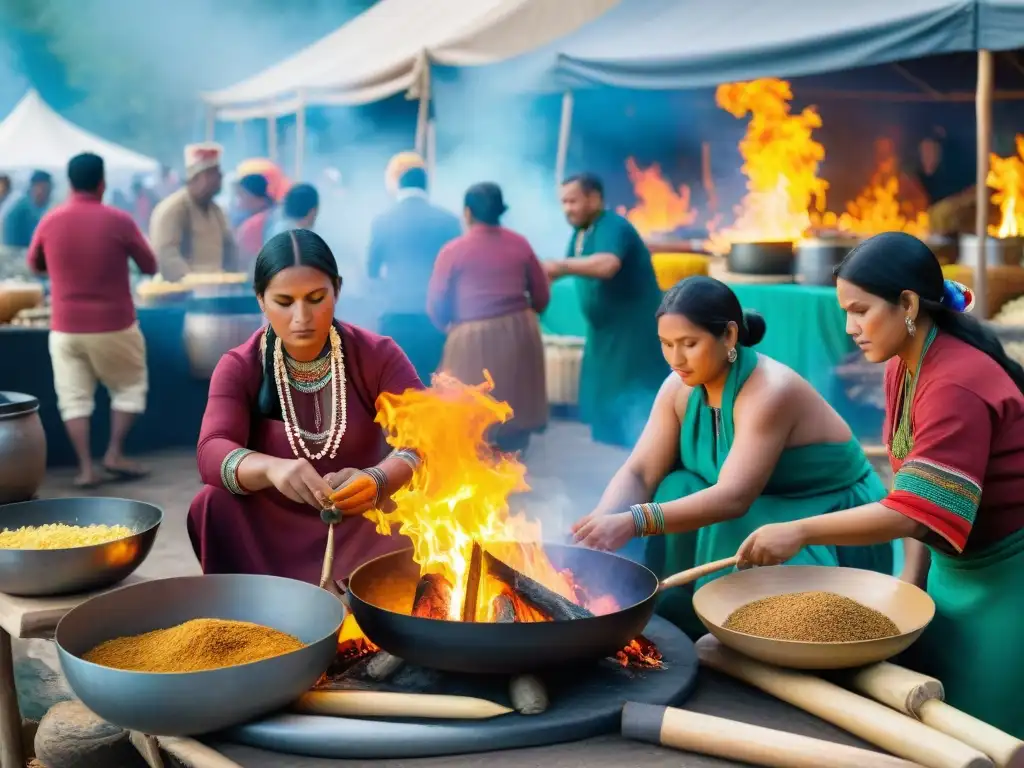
(648, 519)
(229, 471)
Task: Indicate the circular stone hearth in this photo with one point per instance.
(585, 702)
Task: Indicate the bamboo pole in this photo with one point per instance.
(983, 111)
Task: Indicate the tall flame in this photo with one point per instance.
(660, 209)
(780, 160)
(1006, 179)
(460, 493)
(880, 206)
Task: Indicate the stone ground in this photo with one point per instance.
(567, 472)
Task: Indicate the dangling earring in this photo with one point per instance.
(731, 355)
(911, 327)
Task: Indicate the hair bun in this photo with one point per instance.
(754, 328)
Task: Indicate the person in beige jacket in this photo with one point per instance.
(188, 230)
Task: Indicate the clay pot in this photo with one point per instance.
(22, 447)
(15, 297)
(563, 359)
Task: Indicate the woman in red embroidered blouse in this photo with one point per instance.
(290, 418)
(954, 429)
(485, 293)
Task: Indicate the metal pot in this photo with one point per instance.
(22, 447)
(216, 326)
(817, 258)
(946, 249)
(761, 258)
(563, 359)
(998, 251)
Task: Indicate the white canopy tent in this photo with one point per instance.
(387, 50)
(34, 137)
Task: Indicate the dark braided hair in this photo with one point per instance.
(294, 248)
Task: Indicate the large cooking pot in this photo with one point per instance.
(760, 258)
(214, 326)
(382, 591)
(22, 447)
(816, 259)
(1006, 251)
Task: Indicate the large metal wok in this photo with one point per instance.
(381, 593)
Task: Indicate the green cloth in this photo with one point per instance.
(973, 644)
(806, 331)
(622, 362)
(808, 480)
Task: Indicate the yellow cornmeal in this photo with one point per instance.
(60, 536)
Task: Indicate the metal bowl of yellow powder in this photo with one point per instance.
(65, 546)
(196, 669)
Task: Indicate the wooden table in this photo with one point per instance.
(28, 618)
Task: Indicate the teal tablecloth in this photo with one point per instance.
(806, 331)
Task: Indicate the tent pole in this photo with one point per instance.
(983, 110)
(300, 136)
(272, 137)
(423, 112)
(564, 133)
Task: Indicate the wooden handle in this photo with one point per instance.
(327, 571)
(922, 697)
(685, 577)
(871, 721)
(744, 743)
(896, 686)
(380, 704)
(195, 754)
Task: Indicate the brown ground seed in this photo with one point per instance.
(817, 617)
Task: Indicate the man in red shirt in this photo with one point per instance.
(84, 247)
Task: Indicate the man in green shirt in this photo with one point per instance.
(622, 362)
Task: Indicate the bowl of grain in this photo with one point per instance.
(54, 547)
(814, 617)
(197, 654)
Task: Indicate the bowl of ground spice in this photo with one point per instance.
(814, 617)
(54, 547)
(198, 654)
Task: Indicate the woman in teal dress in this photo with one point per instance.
(735, 440)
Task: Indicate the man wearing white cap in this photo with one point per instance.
(188, 230)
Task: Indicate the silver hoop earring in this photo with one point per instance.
(911, 326)
(731, 355)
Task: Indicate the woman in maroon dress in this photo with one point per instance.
(290, 418)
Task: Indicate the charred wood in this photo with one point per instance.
(433, 597)
(503, 608)
(528, 694)
(550, 603)
(382, 666)
(469, 605)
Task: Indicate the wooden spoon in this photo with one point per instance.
(692, 574)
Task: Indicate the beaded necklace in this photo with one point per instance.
(310, 379)
(902, 442)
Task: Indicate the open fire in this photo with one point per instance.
(1006, 179)
(478, 561)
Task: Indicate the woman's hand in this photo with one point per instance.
(299, 481)
(772, 544)
(607, 532)
(356, 492)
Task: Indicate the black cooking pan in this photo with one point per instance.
(382, 591)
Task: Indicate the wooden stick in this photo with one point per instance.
(743, 743)
(469, 604)
(871, 721)
(380, 704)
(327, 571)
(692, 574)
(12, 751)
(503, 608)
(148, 747)
(433, 597)
(923, 697)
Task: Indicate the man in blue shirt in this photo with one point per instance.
(22, 219)
(404, 243)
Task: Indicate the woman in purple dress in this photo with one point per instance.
(290, 418)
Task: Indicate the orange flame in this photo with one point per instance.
(661, 210)
(1006, 179)
(880, 207)
(460, 493)
(780, 160)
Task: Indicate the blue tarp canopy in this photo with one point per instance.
(685, 44)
